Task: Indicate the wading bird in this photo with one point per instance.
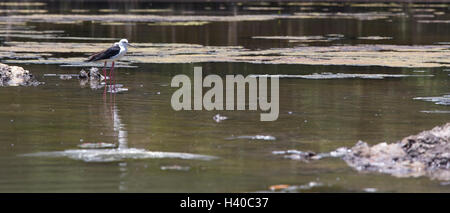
(115, 52)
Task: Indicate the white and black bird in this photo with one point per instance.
(112, 54)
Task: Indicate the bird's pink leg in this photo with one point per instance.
(104, 72)
(112, 70)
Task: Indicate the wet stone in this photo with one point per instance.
(91, 78)
(425, 154)
(16, 76)
(92, 74)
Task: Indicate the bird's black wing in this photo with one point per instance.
(105, 54)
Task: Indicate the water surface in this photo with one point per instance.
(318, 115)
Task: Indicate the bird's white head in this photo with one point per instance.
(124, 42)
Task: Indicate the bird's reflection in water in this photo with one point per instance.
(120, 132)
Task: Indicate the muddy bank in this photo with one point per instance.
(16, 76)
(424, 154)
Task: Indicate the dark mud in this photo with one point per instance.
(425, 154)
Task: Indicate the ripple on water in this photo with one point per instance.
(110, 155)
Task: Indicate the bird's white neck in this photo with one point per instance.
(122, 46)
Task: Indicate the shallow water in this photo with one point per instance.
(157, 149)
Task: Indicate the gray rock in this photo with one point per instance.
(16, 76)
(424, 154)
(92, 74)
(92, 78)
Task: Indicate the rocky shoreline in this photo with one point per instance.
(425, 154)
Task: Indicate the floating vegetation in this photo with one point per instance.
(429, 5)
(79, 11)
(116, 88)
(294, 188)
(351, 55)
(150, 10)
(46, 34)
(322, 4)
(375, 5)
(108, 10)
(436, 111)
(114, 23)
(327, 38)
(22, 4)
(12, 23)
(254, 137)
(189, 23)
(59, 18)
(439, 13)
(374, 38)
(434, 21)
(359, 16)
(423, 16)
(262, 8)
(218, 118)
(111, 155)
(441, 100)
(28, 11)
(428, 10)
(326, 76)
(176, 167)
(307, 155)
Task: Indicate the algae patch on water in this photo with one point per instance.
(440, 100)
(350, 55)
(326, 76)
(188, 23)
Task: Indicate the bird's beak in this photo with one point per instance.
(130, 45)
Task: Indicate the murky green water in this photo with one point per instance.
(315, 115)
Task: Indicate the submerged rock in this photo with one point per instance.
(16, 76)
(92, 77)
(424, 154)
(92, 74)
